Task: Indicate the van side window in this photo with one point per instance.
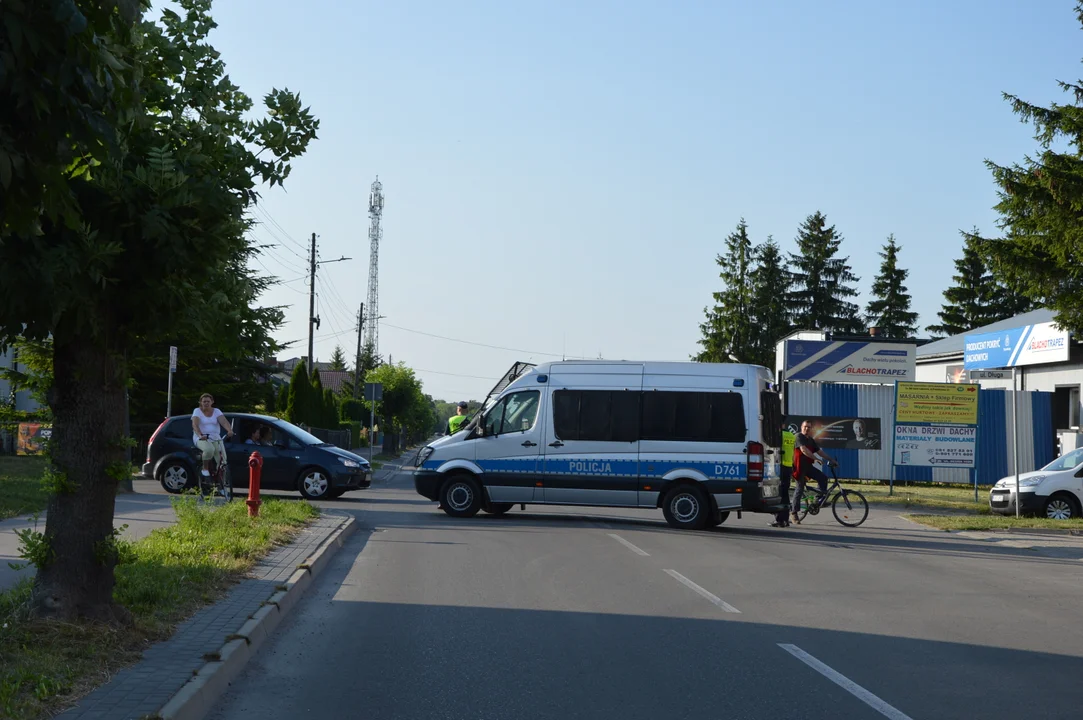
(693, 416)
(514, 413)
(596, 415)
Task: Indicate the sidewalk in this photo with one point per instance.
(142, 513)
(143, 689)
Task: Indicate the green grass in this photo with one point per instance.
(20, 486)
(162, 580)
(994, 522)
(942, 497)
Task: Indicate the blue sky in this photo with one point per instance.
(560, 176)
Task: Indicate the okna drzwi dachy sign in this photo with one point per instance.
(936, 424)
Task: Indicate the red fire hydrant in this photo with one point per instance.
(255, 466)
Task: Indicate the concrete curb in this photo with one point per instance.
(199, 695)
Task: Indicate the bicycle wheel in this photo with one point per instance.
(853, 510)
(225, 484)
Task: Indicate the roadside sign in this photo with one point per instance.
(1027, 345)
(851, 362)
(942, 403)
(172, 359)
(374, 391)
(935, 446)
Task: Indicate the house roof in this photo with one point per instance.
(332, 379)
(954, 345)
(289, 365)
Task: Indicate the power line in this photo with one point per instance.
(440, 372)
(478, 344)
(268, 218)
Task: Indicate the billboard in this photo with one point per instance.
(943, 403)
(1027, 345)
(955, 374)
(840, 433)
(32, 438)
(853, 362)
(935, 445)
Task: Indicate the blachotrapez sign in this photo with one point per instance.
(852, 362)
(1027, 345)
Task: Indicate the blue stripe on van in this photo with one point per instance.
(564, 465)
(838, 400)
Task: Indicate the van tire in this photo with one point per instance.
(461, 496)
(685, 507)
(498, 508)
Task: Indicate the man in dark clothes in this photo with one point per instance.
(805, 452)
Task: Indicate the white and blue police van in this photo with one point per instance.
(698, 440)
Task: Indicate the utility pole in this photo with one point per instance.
(312, 319)
(311, 299)
(357, 360)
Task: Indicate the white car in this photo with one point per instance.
(1055, 491)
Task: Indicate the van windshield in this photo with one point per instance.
(1066, 462)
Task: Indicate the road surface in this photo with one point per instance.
(589, 613)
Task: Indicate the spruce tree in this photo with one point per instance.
(890, 308)
(1041, 254)
(317, 411)
(727, 330)
(821, 282)
(771, 317)
(338, 359)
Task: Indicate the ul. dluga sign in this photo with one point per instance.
(849, 362)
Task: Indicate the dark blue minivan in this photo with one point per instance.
(293, 460)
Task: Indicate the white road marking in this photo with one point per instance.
(709, 595)
(846, 684)
(628, 545)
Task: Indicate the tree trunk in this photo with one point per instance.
(88, 407)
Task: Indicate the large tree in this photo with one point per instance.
(66, 79)
(771, 316)
(821, 282)
(889, 310)
(727, 329)
(159, 241)
(1041, 209)
(976, 297)
(338, 359)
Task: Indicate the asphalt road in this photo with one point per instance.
(589, 613)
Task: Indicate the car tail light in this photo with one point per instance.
(755, 462)
(150, 443)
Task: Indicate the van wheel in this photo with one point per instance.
(686, 507)
(461, 496)
(498, 508)
(1061, 506)
(720, 518)
(314, 484)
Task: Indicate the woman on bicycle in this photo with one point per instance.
(206, 420)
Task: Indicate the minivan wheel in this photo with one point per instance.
(175, 477)
(461, 496)
(1060, 507)
(498, 508)
(685, 507)
(314, 484)
(720, 518)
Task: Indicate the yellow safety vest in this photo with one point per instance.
(788, 441)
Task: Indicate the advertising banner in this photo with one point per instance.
(944, 403)
(955, 374)
(32, 437)
(840, 433)
(1027, 345)
(851, 362)
(935, 446)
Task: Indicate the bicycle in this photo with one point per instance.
(219, 482)
(853, 510)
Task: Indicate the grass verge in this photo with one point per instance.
(994, 522)
(20, 486)
(942, 497)
(163, 579)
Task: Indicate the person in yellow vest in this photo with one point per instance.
(782, 518)
(455, 423)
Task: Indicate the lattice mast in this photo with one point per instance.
(372, 307)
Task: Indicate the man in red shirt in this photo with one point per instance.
(805, 451)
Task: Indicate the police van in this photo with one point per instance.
(698, 440)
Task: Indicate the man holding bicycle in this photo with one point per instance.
(206, 421)
(805, 453)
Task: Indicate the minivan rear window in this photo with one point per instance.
(179, 428)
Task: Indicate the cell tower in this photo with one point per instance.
(372, 308)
